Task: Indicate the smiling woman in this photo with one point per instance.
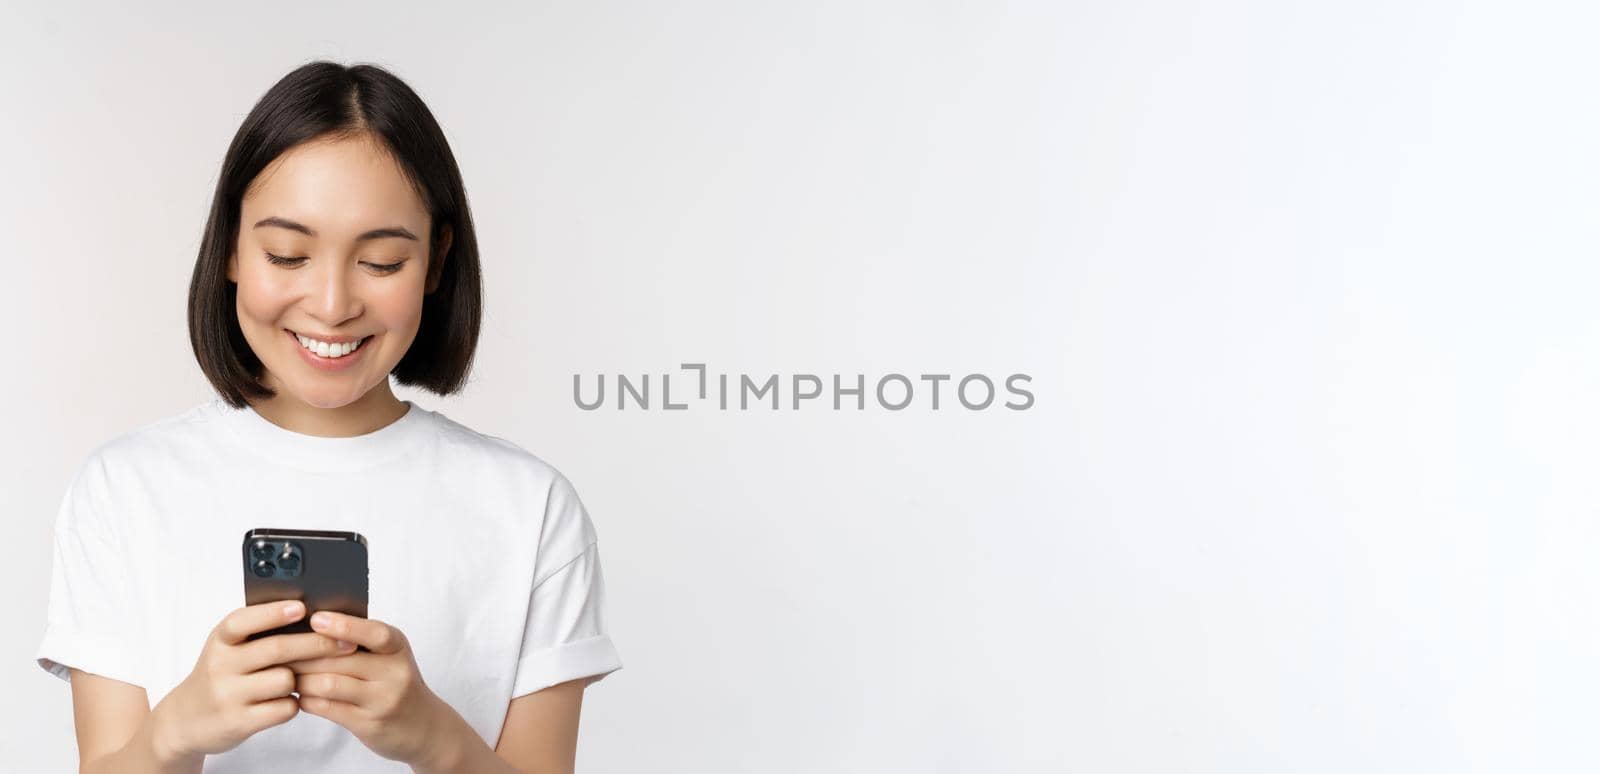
(339, 254)
(332, 208)
(314, 274)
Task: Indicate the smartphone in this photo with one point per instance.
(326, 570)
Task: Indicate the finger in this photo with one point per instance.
(245, 621)
(364, 666)
(376, 636)
(284, 648)
(265, 714)
(345, 714)
(271, 683)
(334, 686)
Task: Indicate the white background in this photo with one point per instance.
(1306, 292)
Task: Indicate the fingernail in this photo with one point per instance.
(321, 620)
(346, 647)
(291, 610)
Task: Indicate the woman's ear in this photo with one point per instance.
(233, 267)
(436, 261)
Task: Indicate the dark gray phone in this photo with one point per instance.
(326, 570)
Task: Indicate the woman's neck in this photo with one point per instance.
(373, 411)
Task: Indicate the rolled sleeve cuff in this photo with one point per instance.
(63, 648)
(593, 657)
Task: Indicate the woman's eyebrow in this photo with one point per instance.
(377, 233)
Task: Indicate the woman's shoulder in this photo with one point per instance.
(493, 451)
(158, 438)
(163, 446)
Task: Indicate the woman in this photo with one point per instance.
(339, 250)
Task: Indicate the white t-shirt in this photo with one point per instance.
(478, 551)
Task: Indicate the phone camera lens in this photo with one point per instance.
(264, 569)
(289, 561)
(261, 550)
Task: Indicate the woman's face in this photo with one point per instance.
(350, 236)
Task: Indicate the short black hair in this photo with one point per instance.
(326, 99)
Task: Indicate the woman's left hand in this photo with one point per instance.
(379, 695)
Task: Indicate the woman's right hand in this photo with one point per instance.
(238, 687)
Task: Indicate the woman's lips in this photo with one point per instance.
(327, 363)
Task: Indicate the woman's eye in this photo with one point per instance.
(282, 261)
(381, 268)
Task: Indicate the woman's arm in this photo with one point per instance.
(380, 697)
(540, 736)
(541, 730)
(238, 687)
(115, 730)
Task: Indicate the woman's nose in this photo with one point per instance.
(333, 298)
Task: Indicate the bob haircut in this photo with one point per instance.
(328, 100)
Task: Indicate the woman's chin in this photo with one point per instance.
(322, 397)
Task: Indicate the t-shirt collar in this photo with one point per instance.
(324, 454)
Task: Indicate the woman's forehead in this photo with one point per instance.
(336, 187)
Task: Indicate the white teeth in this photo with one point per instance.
(324, 349)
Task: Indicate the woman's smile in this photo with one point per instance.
(328, 355)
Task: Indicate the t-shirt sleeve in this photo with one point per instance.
(90, 610)
(565, 636)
